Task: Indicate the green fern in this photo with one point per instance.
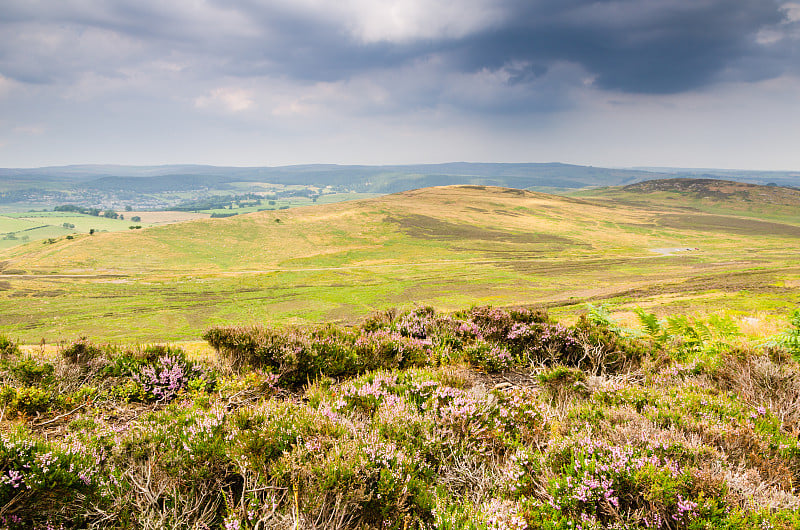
(790, 339)
(600, 315)
(703, 337)
(652, 326)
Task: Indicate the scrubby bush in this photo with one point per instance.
(251, 346)
(30, 371)
(496, 324)
(385, 349)
(8, 347)
(82, 351)
(299, 357)
(489, 357)
(162, 381)
(27, 401)
(43, 483)
(605, 350)
(607, 486)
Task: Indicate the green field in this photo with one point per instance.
(20, 227)
(291, 202)
(449, 247)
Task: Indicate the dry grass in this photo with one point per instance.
(166, 217)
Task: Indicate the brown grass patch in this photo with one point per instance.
(425, 227)
(727, 224)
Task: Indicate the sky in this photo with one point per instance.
(617, 83)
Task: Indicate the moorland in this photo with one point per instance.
(453, 357)
(450, 247)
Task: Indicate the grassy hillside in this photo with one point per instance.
(450, 247)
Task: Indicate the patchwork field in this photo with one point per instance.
(449, 247)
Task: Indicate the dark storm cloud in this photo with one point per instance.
(659, 46)
(635, 46)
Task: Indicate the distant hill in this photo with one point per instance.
(159, 184)
(721, 190)
(779, 178)
(373, 179)
(706, 195)
(122, 186)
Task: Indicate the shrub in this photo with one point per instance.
(489, 357)
(613, 486)
(379, 320)
(25, 400)
(367, 481)
(387, 350)
(163, 378)
(417, 323)
(8, 348)
(299, 357)
(45, 483)
(29, 371)
(81, 351)
(545, 344)
(496, 324)
(562, 382)
(163, 381)
(253, 346)
(605, 350)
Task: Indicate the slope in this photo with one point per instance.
(706, 195)
(450, 247)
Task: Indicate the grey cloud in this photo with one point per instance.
(635, 46)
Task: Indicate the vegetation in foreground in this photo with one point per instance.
(485, 418)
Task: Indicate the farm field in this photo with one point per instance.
(449, 247)
(19, 227)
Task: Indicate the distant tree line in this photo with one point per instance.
(229, 202)
(219, 202)
(110, 214)
(77, 209)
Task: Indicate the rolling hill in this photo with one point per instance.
(708, 195)
(449, 246)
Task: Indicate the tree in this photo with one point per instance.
(136, 219)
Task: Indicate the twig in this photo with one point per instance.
(53, 420)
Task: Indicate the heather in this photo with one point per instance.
(485, 418)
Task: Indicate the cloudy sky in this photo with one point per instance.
(690, 83)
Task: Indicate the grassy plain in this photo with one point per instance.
(449, 247)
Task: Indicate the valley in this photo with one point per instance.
(449, 247)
